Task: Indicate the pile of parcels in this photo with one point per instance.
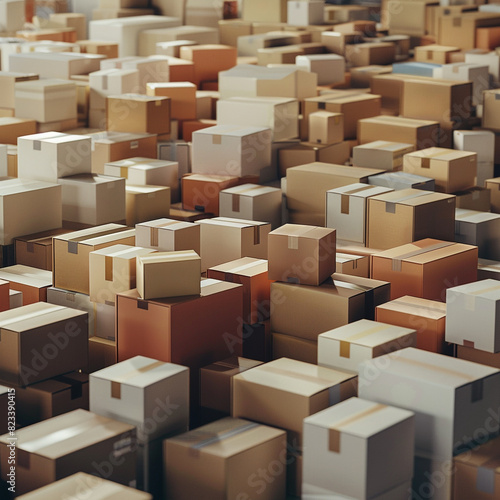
(252, 258)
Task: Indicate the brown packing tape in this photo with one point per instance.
(397, 261)
(344, 204)
(108, 268)
(216, 139)
(116, 390)
(256, 235)
(345, 349)
(124, 172)
(236, 203)
(334, 440)
(425, 163)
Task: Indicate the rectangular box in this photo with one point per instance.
(111, 82)
(381, 154)
(476, 198)
(32, 282)
(8, 81)
(182, 97)
(144, 203)
(402, 180)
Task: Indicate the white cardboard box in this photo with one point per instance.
(346, 347)
(471, 315)
(490, 59)
(381, 154)
(52, 155)
(113, 81)
(305, 13)
(357, 449)
(330, 68)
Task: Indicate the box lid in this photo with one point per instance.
(250, 190)
(16, 186)
(302, 231)
(45, 85)
(417, 307)
(360, 190)
(474, 217)
(357, 282)
(399, 121)
(116, 137)
(61, 383)
(208, 178)
(165, 257)
(442, 154)
(166, 224)
(246, 266)
(26, 275)
(232, 131)
(335, 170)
(385, 146)
(139, 163)
(227, 221)
(97, 235)
(53, 137)
(486, 289)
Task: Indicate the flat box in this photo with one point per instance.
(35, 250)
(346, 210)
(301, 254)
(283, 392)
(252, 274)
(409, 215)
(326, 127)
(49, 156)
(402, 180)
(92, 199)
(421, 133)
(346, 347)
(280, 114)
(426, 268)
(32, 282)
(339, 444)
(168, 274)
(102, 353)
(143, 114)
(108, 49)
(182, 98)
(111, 82)
(242, 238)
(477, 356)
(216, 382)
(48, 454)
(472, 315)
(437, 54)
(71, 253)
(476, 198)
(201, 192)
(86, 484)
(427, 317)
(113, 146)
(52, 397)
(381, 154)
(467, 392)
(355, 265)
(289, 346)
(167, 235)
(113, 270)
(30, 332)
(48, 100)
(198, 466)
(13, 128)
(136, 390)
(306, 311)
(146, 202)
(8, 82)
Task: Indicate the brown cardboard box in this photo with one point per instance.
(390, 88)
(283, 392)
(421, 133)
(478, 356)
(46, 453)
(494, 186)
(71, 253)
(326, 127)
(436, 54)
(361, 77)
(381, 154)
(262, 11)
(32, 282)
(182, 98)
(354, 265)
(488, 38)
(279, 55)
(252, 274)
(365, 54)
(67, 35)
(476, 198)
(491, 109)
(437, 12)
(451, 169)
(8, 82)
(146, 203)
(102, 353)
(306, 311)
(408, 17)
(426, 268)
(13, 128)
(217, 460)
(216, 382)
(368, 28)
(40, 341)
(288, 346)
(409, 215)
(108, 49)
(425, 316)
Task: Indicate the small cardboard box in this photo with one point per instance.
(355, 265)
(402, 180)
(283, 392)
(144, 203)
(32, 282)
(346, 347)
(381, 154)
(427, 317)
(182, 98)
(113, 270)
(41, 341)
(211, 459)
(426, 268)
(471, 315)
(45, 452)
(409, 215)
(326, 127)
(71, 253)
(301, 254)
(137, 390)
(289, 346)
(438, 54)
(168, 274)
(330, 68)
(340, 441)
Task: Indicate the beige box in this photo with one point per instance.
(32, 282)
(182, 98)
(71, 20)
(273, 11)
(111, 82)
(8, 82)
(381, 154)
(145, 203)
(326, 128)
(303, 12)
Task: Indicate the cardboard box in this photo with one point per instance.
(437, 54)
(330, 68)
(346, 210)
(488, 38)
(256, 392)
(477, 356)
(5, 398)
(32, 282)
(490, 59)
(8, 82)
(291, 347)
(112, 81)
(242, 238)
(326, 127)
(94, 439)
(13, 128)
(490, 109)
(146, 202)
(247, 445)
(102, 353)
(340, 441)
(71, 253)
(409, 18)
(366, 54)
(59, 346)
(425, 316)
(276, 11)
(355, 265)
(421, 133)
(482, 142)
(147, 385)
(406, 216)
(475, 198)
(300, 12)
(108, 49)
(172, 48)
(426, 268)
(182, 98)
(361, 77)
(279, 55)
(494, 186)
(381, 154)
(402, 180)
(487, 269)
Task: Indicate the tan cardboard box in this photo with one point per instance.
(355, 265)
(337, 42)
(326, 127)
(182, 98)
(108, 49)
(111, 82)
(488, 38)
(8, 82)
(361, 77)
(13, 128)
(231, 29)
(145, 203)
(402, 180)
(32, 282)
(173, 49)
(381, 154)
(436, 54)
(477, 356)
(274, 11)
(366, 54)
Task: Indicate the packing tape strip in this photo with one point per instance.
(397, 261)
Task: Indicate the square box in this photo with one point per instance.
(32, 282)
(346, 347)
(304, 13)
(168, 274)
(182, 98)
(301, 254)
(138, 389)
(40, 341)
(339, 444)
(381, 154)
(326, 127)
(330, 68)
(144, 203)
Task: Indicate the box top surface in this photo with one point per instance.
(228, 222)
(148, 190)
(208, 178)
(359, 190)
(96, 235)
(358, 282)
(138, 97)
(255, 101)
(474, 217)
(141, 163)
(413, 197)
(417, 307)
(18, 186)
(54, 138)
(122, 251)
(246, 266)
(398, 121)
(116, 137)
(232, 131)
(488, 265)
(166, 224)
(89, 179)
(133, 21)
(250, 190)
(112, 72)
(261, 72)
(168, 257)
(49, 84)
(385, 146)
(30, 276)
(441, 154)
(332, 169)
(302, 231)
(403, 176)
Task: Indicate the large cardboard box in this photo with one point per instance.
(215, 460)
(402, 180)
(426, 268)
(71, 253)
(32, 282)
(427, 317)
(285, 391)
(409, 215)
(137, 391)
(339, 444)
(346, 347)
(182, 98)
(46, 453)
(40, 341)
(381, 154)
